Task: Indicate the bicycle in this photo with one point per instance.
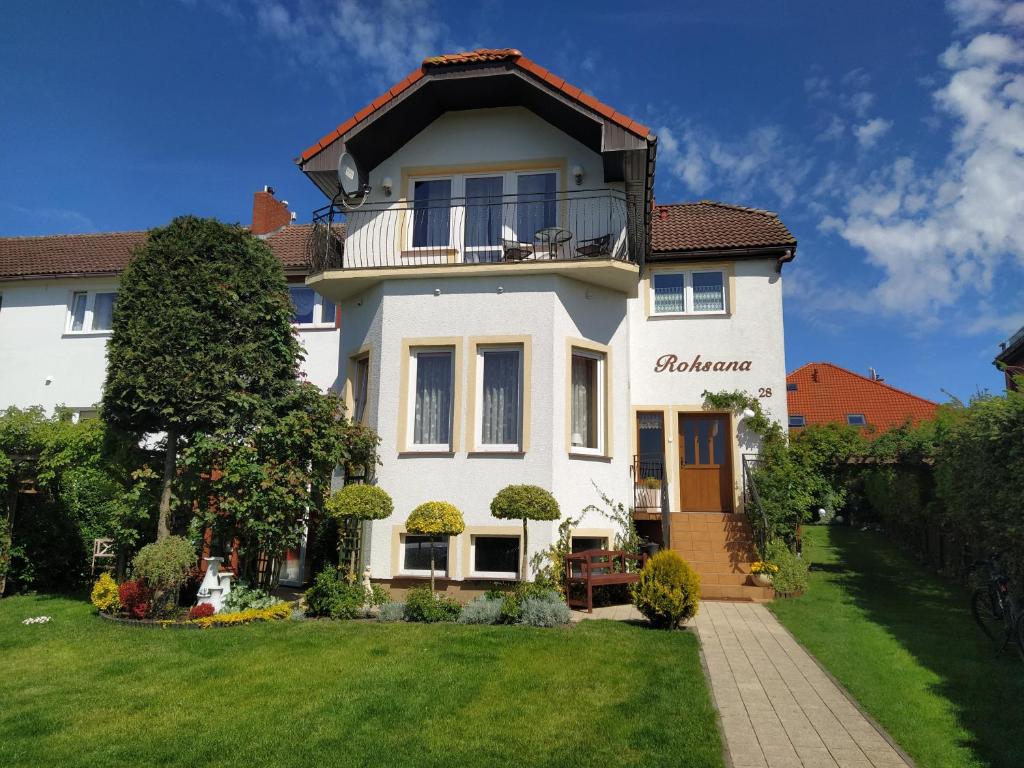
(998, 613)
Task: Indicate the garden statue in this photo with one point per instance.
(215, 586)
(366, 582)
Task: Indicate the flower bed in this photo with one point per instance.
(277, 612)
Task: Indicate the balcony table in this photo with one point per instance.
(553, 238)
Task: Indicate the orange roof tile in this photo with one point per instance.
(827, 393)
(481, 56)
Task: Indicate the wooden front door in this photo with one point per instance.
(705, 463)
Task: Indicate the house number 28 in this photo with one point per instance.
(764, 391)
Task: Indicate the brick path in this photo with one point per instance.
(778, 708)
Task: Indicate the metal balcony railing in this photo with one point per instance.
(562, 226)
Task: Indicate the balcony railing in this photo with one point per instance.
(525, 228)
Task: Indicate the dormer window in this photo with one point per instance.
(856, 419)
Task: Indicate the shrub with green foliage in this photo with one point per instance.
(792, 576)
(335, 597)
(391, 612)
(512, 599)
(242, 597)
(435, 518)
(668, 592)
(167, 564)
(481, 610)
(353, 504)
(547, 611)
(524, 502)
(421, 604)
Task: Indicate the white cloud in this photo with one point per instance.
(940, 235)
(870, 132)
(758, 163)
(346, 39)
(860, 102)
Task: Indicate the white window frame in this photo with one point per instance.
(478, 443)
(440, 568)
(457, 218)
(602, 406)
(688, 292)
(493, 574)
(410, 425)
(318, 304)
(87, 318)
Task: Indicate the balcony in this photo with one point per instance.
(580, 234)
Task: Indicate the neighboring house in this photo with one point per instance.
(1010, 359)
(57, 294)
(825, 393)
(517, 309)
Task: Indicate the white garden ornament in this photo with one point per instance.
(216, 585)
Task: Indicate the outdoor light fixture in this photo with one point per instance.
(577, 174)
(748, 413)
(387, 185)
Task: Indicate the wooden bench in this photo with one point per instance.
(596, 568)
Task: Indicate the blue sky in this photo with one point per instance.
(888, 134)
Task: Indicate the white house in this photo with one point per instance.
(517, 309)
(507, 305)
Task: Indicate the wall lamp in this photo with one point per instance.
(577, 174)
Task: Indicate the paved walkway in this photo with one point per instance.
(778, 708)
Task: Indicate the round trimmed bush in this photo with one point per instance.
(481, 610)
(435, 518)
(360, 502)
(105, 595)
(167, 564)
(524, 502)
(668, 592)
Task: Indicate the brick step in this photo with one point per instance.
(733, 592)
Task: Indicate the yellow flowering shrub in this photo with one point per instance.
(760, 566)
(273, 613)
(435, 518)
(104, 594)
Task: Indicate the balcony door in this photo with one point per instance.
(705, 463)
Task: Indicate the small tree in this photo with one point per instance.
(433, 519)
(354, 504)
(524, 502)
(201, 332)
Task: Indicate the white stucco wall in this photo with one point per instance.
(35, 345)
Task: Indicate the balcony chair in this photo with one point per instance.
(594, 247)
(514, 251)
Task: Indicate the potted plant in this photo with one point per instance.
(762, 571)
(649, 495)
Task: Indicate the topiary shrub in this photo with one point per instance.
(435, 518)
(481, 610)
(105, 594)
(353, 504)
(242, 597)
(668, 592)
(333, 596)
(135, 598)
(792, 576)
(524, 502)
(201, 611)
(547, 611)
(421, 604)
(391, 612)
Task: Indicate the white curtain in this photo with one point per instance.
(500, 406)
(707, 292)
(103, 311)
(582, 398)
(78, 312)
(432, 421)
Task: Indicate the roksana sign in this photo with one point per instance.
(672, 364)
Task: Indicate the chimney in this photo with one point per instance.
(268, 213)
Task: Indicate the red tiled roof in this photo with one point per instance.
(709, 225)
(827, 393)
(108, 253)
(480, 56)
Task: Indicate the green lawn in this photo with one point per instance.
(903, 643)
(82, 691)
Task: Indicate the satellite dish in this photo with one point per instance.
(352, 193)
